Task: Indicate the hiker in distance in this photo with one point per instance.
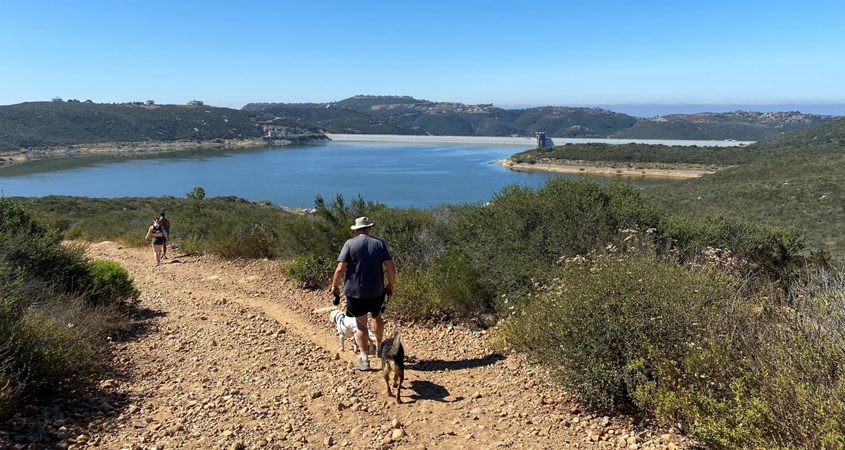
(159, 237)
(166, 225)
(361, 260)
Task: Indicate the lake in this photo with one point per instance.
(396, 174)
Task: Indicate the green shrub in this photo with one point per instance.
(191, 244)
(515, 239)
(111, 284)
(772, 376)
(33, 250)
(448, 287)
(248, 240)
(416, 295)
(53, 352)
(313, 271)
(458, 286)
(678, 342)
(56, 308)
(606, 328)
(197, 193)
(775, 253)
(416, 237)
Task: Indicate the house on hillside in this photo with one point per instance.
(150, 102)
(195, 103)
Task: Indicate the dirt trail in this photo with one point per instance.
(237, 358)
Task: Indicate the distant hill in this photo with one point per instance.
(751, 126)
(46, 124)
(369, 114)
(42, 124)
(797, 179)
(412, 116)
(328, 117)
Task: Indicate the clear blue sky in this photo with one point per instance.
(503, 52)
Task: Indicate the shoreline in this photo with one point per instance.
(572, 167)
(10, 157)
(531, 142)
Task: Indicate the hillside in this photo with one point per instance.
(368, 114)
(796, 180)
(327, 117)
(408, 115)
(637, 154)
(752, 126)
(42, 124)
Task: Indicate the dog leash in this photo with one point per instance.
(384, 304)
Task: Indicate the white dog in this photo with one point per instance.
(346, 328)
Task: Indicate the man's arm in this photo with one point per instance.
(390, 277)
(338, 273)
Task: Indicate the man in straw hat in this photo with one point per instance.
(361, 259)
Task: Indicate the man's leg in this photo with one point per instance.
(379, 329)
(361, 336)
(354, 309)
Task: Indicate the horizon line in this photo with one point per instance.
(720, 107)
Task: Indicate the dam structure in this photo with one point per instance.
(525, 142)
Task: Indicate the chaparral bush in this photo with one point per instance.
(56, 309)
(605, 327)
(111, 283)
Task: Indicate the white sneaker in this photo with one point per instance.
(362, 365)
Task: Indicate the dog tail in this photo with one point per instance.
(389, 347)
(396, 344)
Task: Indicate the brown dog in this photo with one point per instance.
(392, 356)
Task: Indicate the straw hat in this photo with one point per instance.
(362, 222)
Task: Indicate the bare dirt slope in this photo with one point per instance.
(237, 358)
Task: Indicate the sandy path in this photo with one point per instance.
(236, 358)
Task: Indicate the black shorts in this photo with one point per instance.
(357, 307)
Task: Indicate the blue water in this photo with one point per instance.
(394, 174)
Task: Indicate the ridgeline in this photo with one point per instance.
(47, 125)
(44, 124)
(369, 114)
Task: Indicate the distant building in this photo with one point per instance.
(195, 103)
(544, 141)
(56, 100)
(150, 102)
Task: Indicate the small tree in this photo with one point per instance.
(197, 193)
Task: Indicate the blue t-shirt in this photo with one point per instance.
(364, 256)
